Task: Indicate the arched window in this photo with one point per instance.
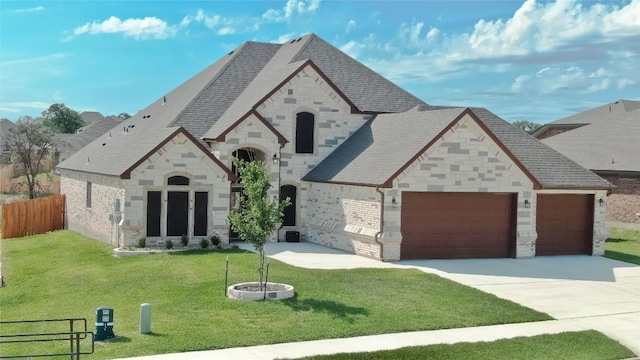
(289, 213)
(305, 126)
(178, 180)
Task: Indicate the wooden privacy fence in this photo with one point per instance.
(33, 217)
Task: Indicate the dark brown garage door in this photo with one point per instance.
(437, 225)
(564, 224)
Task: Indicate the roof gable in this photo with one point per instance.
(179, 131)
(381, 150)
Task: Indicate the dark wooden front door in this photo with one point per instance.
(177, 213)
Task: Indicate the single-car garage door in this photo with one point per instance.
(440, 225)
(564, 224)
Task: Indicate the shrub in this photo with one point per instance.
(215, 240)
(168, 244)
(184, 240)
(142, 242)
(204, 243)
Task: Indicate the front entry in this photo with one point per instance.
(177, 213)
(248, 155)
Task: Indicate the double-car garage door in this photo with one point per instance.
(441, 225)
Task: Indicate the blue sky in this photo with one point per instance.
(523, 60)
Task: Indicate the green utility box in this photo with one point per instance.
(104, 323)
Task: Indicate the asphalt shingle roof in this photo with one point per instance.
(232, 86)
(373, 154)
(609, 140)
(91, 132)
(208, 103)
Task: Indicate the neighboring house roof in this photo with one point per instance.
(201, 101)
(92, 132)
(90, 117)
(609, 140)
(391, 147)
(5, 125)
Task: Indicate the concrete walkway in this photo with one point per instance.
(581, 292)
(376, 342)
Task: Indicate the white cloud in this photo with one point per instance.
(624, 82)
(350, 26)
(433, 34)
(210, 21)
(34, 60)
(28, 10)
(227, 30)
(554, 80)
(28, 104)
(538, 33)
(145, 28)
(291, 8)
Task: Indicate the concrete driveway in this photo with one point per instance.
(592, 292)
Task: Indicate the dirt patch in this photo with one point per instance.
(623, 208)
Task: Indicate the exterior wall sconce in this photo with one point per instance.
(527, 204)
(394, 203)
(601, 202)
(275, 159)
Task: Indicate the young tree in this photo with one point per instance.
(30, 142)
(62, 119)
(124, 116)
(259, 215)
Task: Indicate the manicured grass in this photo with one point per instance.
(64, 274)
(624, 245)
(583, 345)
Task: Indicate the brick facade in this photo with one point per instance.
(96, 221)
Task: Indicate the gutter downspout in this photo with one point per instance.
(377, 236)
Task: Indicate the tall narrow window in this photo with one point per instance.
(305, 125)
(200, 214)
(289, 213)
(89, 194)
(177, 213)
(154, 211)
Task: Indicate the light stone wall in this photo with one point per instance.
(344, 217)
(464, 159)
(179, 157)
(334, 122)
(93, 222)
(305, 92)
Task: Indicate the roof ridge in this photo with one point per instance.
(233, 53)
(308, 41)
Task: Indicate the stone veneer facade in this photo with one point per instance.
(351, 218)
(178, 157)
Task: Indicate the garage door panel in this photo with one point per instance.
(564, 224)
(456, 225)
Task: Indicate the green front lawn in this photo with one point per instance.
(583, 345)
(64, 274)
(624, 245)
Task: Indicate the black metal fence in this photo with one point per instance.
(13, 334)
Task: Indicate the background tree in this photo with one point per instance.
(30, 142)
(259, 215)
(527, 126)
(124, 116)
(62, 119)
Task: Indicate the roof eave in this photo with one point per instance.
(127, 173)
